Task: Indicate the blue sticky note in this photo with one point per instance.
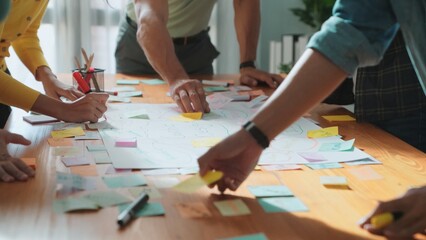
(282, 204)
(257, 236)
(127, 82)
(270, 191)
(125, 181)
(331, 165)
(364, 161)
(215, 89)
(153, 82)
(150, 209)
(345, 146)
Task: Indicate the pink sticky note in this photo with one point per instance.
(312, 156)
(365, 173)
(75, 161)
(126, 143)
(112, 170)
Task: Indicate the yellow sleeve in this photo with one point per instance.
(27, 46)
(16, 94)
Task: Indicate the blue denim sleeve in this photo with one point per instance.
(357, 34)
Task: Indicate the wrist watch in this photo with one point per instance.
(247, 64)
(257, 134)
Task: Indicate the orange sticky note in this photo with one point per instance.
(365, 173)
(88, 170)
(325, 132)
(60, 142)
(339, 118)
(31, 162)
(254, 93)
(193, 210)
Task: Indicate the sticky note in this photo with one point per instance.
(132, 180)
(39, 119)
(150, 209)
(257, 236)
(75, 181)
(88, 170)
(75, 161)
(73, 204)
(101, 157)
(60, 142)
(192, 184)
(126, 142)
(140, 116)
(205, 142)
(95, 147)
(107, 198)
(70, 132)
(282, 204)
(312, 157)
(334, 181)
(365, 173)
(193, 115)
(339, 118)
(193, 210)
(215, 89)
(89, 135)
(240, 88)
(364, 161)
(325, 132)
(330, 165)
(280, 167)
(382, 220)
(151, 191)
(270, 191)
(254, 93)
(66, 151)
(153, 81)
(232, 207)
(30, 162)
(127, 82)
(112, 170)
(345, 146)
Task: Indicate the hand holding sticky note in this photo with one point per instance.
(384, 219)
(194, 183)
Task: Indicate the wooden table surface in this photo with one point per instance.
(26, 208)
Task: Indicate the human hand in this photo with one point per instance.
(55, 88)
(236, 157)
(413, 206)
(11, 168)
(90, 107)
(189, 96)
(251, 77)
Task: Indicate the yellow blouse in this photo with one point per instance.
(19, 29)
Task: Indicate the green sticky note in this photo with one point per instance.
(141, 116)
(101, 157)
(282, 204)
(151, 191)
(150, 209)
(215, 89)
(75, 181)
(257, 236)
(95, 147)
(270, 191)
(331, 165)
(345, 146)
(125, 181)
(153, 82)
(73, 204)
(107, 198)
(127, 82)
(232, 207)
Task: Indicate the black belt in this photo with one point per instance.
(180, 40)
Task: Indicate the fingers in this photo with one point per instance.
(202, 96)
(190, 97)
(100, 97)
(418, 225)
(252, 76)
(14, 172)
(4, 176)
(23, 167)
(16, 138)
(185, 100)
(249, 81)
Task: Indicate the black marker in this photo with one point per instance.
(127, 214)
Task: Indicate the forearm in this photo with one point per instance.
(312, 79)
(247, 25)
(44, 73)
(49, 106)
(153, 37)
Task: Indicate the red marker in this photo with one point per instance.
(81, 83)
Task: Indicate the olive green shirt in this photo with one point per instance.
(186, 17)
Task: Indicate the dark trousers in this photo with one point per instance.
(4, 111)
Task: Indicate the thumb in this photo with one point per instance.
(18, 139)
(249, 81)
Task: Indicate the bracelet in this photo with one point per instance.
(257, 134)
(247, 64)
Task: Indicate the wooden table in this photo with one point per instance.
(26, 208)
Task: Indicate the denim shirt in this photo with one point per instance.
(360, 31)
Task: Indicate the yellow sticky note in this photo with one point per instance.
(70, 132)
(206, 142)
(339, 118)
(325, 132)
(192, 184)
(334, 182)
(193, 115)
(382, 220)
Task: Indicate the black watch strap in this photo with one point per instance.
(247, 64)
(257, 134)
